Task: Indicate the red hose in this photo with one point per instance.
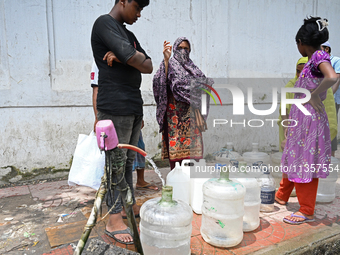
(131, 147)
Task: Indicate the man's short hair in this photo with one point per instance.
(141, 3)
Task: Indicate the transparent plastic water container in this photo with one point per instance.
(252, 199)
(165, 226)
(255, 155)
(180, 183)
(326, 187)
(226, 154)
(222, 211)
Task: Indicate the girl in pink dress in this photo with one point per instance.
(307, 153)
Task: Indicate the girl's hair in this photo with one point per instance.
(313, 32)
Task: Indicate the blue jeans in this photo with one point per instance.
(128, 129)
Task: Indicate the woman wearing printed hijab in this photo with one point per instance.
(175, 88)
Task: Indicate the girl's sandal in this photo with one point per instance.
(305, 219)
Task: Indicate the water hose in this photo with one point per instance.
(131, 147)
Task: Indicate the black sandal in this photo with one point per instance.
(113, 233)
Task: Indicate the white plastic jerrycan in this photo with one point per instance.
(186, 166)
(196, 194)
(180, 183)
(326, 187)
(222, 211)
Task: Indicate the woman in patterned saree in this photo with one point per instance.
(175, 88)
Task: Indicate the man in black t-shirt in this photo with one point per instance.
(120, 60)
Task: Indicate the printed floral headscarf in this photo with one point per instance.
(184, 80)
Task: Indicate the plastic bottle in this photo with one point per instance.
(222, 211)
(252, 199)
(267, 191)
(165, 226)
(180, 183)
(326, 187)
(255, 155)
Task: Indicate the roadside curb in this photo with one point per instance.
(318, 242)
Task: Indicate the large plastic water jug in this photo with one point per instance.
(180, 183)
(222, 211)
(226, 154)
(326, 187)
(252, 199)
(165, 226)
(196, 184)
(255, 155)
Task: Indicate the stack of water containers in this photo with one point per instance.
(326, 187)
(228, 207)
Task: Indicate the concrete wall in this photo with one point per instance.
(45, 61)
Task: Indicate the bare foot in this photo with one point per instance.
(116, 223)
(145, 185)
(135, 208)
(280, 201)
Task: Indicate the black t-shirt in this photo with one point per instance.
(119, 86)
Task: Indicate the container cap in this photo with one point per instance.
(234, 163)
(265, 169)
(177, 166)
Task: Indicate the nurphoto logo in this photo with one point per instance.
(238, 100)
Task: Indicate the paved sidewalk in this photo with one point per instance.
(27, 212)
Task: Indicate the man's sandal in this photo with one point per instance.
(113, 233)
